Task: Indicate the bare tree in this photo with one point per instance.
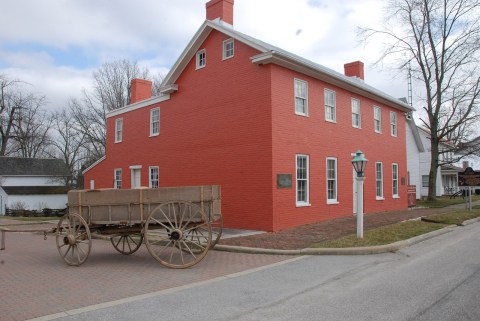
(112, 83)
(31, 128)
(441, 40)
(69, 142)
(157, 83)
(9, 106)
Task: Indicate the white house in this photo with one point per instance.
(415, 148)
(32, 184)
(418, 163)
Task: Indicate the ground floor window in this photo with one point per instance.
(395, 180)
(153, 177)
(331, 180)
(302, 179)
(118, 178)
(379, 179)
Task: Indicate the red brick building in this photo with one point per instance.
(275, 130)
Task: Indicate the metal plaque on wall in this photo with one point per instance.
(284, 180)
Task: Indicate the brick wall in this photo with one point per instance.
(233, 123)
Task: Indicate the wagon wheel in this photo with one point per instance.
(166, 234)
(73, 239)
(201, 234)
(127, 243)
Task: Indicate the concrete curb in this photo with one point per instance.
(392, 247)
(473, 220)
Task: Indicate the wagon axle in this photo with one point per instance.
(175, 235)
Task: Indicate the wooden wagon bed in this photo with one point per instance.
(175, 223)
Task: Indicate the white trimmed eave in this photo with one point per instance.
(138, 105)
(328, 77)
(416, 135)
(93, 165)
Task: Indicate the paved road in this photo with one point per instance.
(438, 279)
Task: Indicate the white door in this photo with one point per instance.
(136, 178)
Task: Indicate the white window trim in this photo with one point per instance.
(118, 129)
(335, 200)
(334, 120)
(204, 51)
(379, 119)
(359, 114)
(307, 186)
(382, 197)
(398, 187)
(150, 176)
(151, 121)
(115, 181)
(225, 43)
(392, 132)
(306, 97)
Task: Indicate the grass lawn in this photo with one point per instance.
(400, 231)
(457, 217)
(445, 201)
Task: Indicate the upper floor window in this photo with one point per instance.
(118, 130)
(393, 123)
(302, 180)
(379, 179)
(330, 105)
(377, 119)
(395, 180)
(118, 178)
(331, 180)
(301, 97)
(201, 58)
(356, 118)
(154, 121)
(228, 49)
(153, 181)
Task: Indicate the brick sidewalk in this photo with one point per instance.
(306, 235)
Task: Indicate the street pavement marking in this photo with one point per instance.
(159, 293)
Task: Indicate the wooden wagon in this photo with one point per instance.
(177, 224)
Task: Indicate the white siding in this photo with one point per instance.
(30, 181)
(425, 166)
(413, 162)
(37, 202)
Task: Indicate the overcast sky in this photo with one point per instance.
(55, 45)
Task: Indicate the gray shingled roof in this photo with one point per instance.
(18, 166)
(35, 190)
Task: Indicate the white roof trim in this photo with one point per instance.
(94, 164)
(138, 105)
(272, 54)
(416, 135)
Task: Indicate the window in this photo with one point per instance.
(424, 180)
(301, 97)
(393, 123)
(377, 119)
(153, 177)
(331, 180)
(302, 180)
(356, 120)
(118, 130)
(154, 122)
(330, 105)
(118, 178)
(395, 180)
(379, 179)
(228, 49)
(201, 58)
